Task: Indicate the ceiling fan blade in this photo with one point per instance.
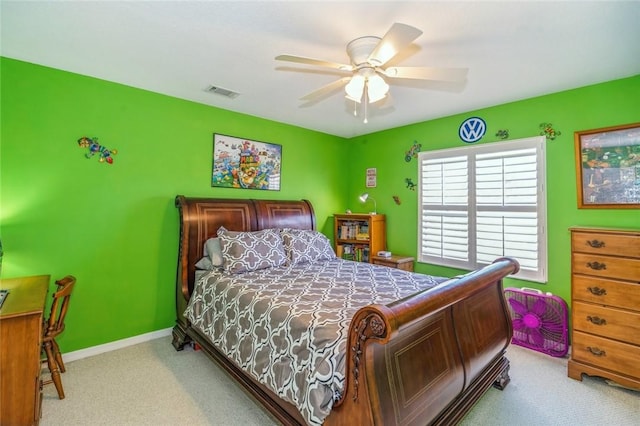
(427, 73)
(398, 37)
(325, 90)
(316, 62)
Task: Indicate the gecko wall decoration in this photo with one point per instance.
(413, 151)
(95, 147)
(548, 131)
(410, 184)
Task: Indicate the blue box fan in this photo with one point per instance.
(540, 320)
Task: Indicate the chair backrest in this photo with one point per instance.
(59, 307)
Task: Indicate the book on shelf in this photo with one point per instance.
(354, 230)
(352, 252)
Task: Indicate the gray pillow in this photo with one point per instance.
(306, 246)
(212, 256)
(251, 251)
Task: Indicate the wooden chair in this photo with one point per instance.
(52, 327)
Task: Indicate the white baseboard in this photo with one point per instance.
(112, 346)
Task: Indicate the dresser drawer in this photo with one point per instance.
(600, 352)
(606, 266)
(604, 243)
(607, 322)
(620, 294)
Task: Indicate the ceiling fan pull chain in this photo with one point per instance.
(365, 103)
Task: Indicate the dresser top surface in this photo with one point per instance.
(605, 230)
(26, 295)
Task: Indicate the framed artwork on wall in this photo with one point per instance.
(246, 164)
(608, 167)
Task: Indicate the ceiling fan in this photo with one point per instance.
(368, 56)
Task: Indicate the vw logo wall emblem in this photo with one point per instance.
(472, 129)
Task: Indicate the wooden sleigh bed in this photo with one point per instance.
(423, 359)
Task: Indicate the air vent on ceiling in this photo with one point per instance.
(222, 92)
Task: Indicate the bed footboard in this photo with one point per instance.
(428, 358)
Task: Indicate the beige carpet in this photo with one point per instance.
(152, 384)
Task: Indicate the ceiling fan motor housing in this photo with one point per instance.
(361, 48)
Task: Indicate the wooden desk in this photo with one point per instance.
(21, 318)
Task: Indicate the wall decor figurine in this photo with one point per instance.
(396, 200)
(410, 184)
(502, 134)
(548, 131)
(96, 148)
(413, 151)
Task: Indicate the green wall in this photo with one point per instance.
(601, 105)
(115, 226)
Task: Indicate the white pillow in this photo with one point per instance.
(213, 249)
(212, 256)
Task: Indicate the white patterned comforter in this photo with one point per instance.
(287, 326)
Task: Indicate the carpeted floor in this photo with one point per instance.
(152, 384)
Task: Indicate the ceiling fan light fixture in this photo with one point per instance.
(377, 88)
(355, 87)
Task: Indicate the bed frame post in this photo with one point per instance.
(179, 333)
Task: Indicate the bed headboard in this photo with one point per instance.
(200, 218)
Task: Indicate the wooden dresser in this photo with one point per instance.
(21, 318)
(605, 305)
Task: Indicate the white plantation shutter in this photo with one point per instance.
(482, 202)
(445, 193)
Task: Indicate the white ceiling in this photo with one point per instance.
(513, 50)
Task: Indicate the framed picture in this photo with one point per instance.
(608, 167)
(246, 164)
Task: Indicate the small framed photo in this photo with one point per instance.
(245, 164)
(608, 167)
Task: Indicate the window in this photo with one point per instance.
(479, 203)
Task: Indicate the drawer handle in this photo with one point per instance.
(596, 320)
(596, 351)
(595, 243)
(597, 291)
(597, 265)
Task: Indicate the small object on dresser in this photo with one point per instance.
(384, 253)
